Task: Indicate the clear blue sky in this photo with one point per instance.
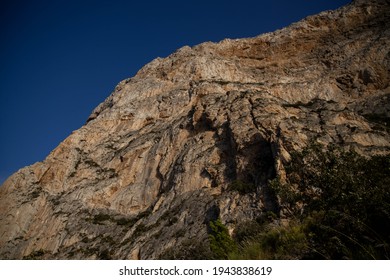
(60, 59)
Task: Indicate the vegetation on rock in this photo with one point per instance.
(335, 205)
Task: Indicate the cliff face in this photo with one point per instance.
(156, 161)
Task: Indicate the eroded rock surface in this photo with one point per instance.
(160, 157)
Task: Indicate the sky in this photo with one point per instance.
(60, 59)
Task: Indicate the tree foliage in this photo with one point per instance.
(335, 204)
(221, 244)
(342, 199)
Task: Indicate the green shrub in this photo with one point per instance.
(274, 242)
(221, 244)
(338, 206)
(242, 187)
(247, 230)
(343, 199)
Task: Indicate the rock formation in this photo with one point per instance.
(156, 161)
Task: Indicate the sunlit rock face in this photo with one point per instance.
(156, 161)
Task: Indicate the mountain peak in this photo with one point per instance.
(156, 161)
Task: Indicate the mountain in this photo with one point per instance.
(191, 143)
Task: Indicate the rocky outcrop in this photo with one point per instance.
(197, 136)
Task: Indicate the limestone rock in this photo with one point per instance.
(156, 161)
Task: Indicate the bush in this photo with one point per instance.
(338, 206)
(221, 244)
(242, 187)
(343, 199)
(273, 242)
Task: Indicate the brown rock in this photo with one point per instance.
(156, 161)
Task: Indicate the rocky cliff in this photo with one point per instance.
(173, 147)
